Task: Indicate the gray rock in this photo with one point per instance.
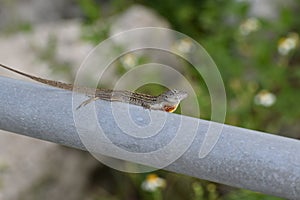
(36, 11)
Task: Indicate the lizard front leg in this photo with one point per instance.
(87, 102)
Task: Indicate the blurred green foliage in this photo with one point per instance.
(17, 27)
(260, 68)
(90, 9)
(248, 62)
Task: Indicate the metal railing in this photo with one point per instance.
(241, 158)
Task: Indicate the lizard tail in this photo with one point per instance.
(57, 84)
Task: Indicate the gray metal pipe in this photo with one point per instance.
(241, 158)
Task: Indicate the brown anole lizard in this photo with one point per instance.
(167, 101)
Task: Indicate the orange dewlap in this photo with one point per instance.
(170, 108)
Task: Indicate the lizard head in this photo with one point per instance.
(171, 99)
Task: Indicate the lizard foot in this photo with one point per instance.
(87, 102)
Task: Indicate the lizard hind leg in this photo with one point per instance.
(87, 102)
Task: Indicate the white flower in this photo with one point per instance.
(183, 46)
(286, 44)
(265, 98)
(153, 182)
(129, 60)
(248, 26)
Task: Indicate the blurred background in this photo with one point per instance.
(255, 45)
